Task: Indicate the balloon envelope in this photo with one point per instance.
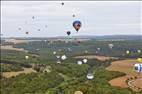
(63, 57)
(68, 33)
(77, 24)
(27, 33)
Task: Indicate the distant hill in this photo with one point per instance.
(105, 37)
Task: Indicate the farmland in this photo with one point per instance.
(41, 74)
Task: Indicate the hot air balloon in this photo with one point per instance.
(73, 15)
(33, 17)
(139, 51)
(58, 56)
(68, 33)
(19, 28)
(27, 33)
(90, 76)
(62, 3)
(77, 24)
(139, 59)
(69, 49)
(127, 52)
(54, 52)
(26, 57)
(98, 49)
(138, 68)
(110, 45)
(78, 92)
(58, 62)
(38, 29)
(85, 60)
(79, 62)
(63, 57)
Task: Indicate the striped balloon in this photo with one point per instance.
(138, 67)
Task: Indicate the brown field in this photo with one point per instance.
(125, 66)
(101, 58)
(119, 82)
(15, 41)
(10, 47)
(11, 74)
(137, 82)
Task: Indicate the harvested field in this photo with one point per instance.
(119, 82)
(10, 47)
(11, 74)
(125, 66)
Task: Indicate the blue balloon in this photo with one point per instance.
(77, 24)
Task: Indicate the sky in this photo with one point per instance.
(98, 18)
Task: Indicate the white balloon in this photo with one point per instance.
(26, 57)
(69, 49)
(139, 51)
(90, 76)
(58, 56)
(98, 49)
(110, 45)
(86, 51)
(54, 52)
(127, 52)
(58, 62)
(85, 60)
(63, 57)
(79, 62)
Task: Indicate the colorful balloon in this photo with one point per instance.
(139, 59)
(138, 68)
(77, 24)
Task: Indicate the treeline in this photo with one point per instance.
(35, 83)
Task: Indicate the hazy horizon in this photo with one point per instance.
(98, 18)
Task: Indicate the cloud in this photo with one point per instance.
(98, 17)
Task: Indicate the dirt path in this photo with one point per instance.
(11, 74)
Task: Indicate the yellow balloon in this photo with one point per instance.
(139, 59)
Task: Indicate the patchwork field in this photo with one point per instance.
(125, 66)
